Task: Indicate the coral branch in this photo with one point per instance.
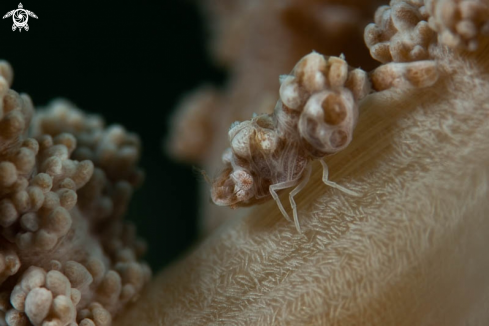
(459, 23)
(66, 257)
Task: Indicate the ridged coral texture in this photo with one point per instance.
(66, 255)
(404, 32)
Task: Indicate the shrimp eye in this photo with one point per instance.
(334, 110)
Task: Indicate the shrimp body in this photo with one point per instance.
(315, 116)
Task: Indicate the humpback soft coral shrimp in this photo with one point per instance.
(315, 116)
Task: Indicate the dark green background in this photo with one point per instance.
(129, 61)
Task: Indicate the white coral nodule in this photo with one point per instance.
(62, 174)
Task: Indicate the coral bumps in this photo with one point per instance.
(66, 257)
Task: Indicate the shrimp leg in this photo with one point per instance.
(294, 192)
(334, 184)
(279, 186)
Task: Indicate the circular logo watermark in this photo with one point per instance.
(20, 17)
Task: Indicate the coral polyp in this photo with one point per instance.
(66, 255)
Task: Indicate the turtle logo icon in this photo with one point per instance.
(20, 17)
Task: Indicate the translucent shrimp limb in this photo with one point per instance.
(334, 184)
(279, 186)
(294, 192)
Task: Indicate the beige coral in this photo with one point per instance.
(413, 244)
(459, 23)
(400, 32)
(405, 75)
(66, 256)
(192, 126)
(404, 30)
(411, 250)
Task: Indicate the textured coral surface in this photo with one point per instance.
(411, 250)
(66, 255)
(260, 40)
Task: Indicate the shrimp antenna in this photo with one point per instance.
(199, 172)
